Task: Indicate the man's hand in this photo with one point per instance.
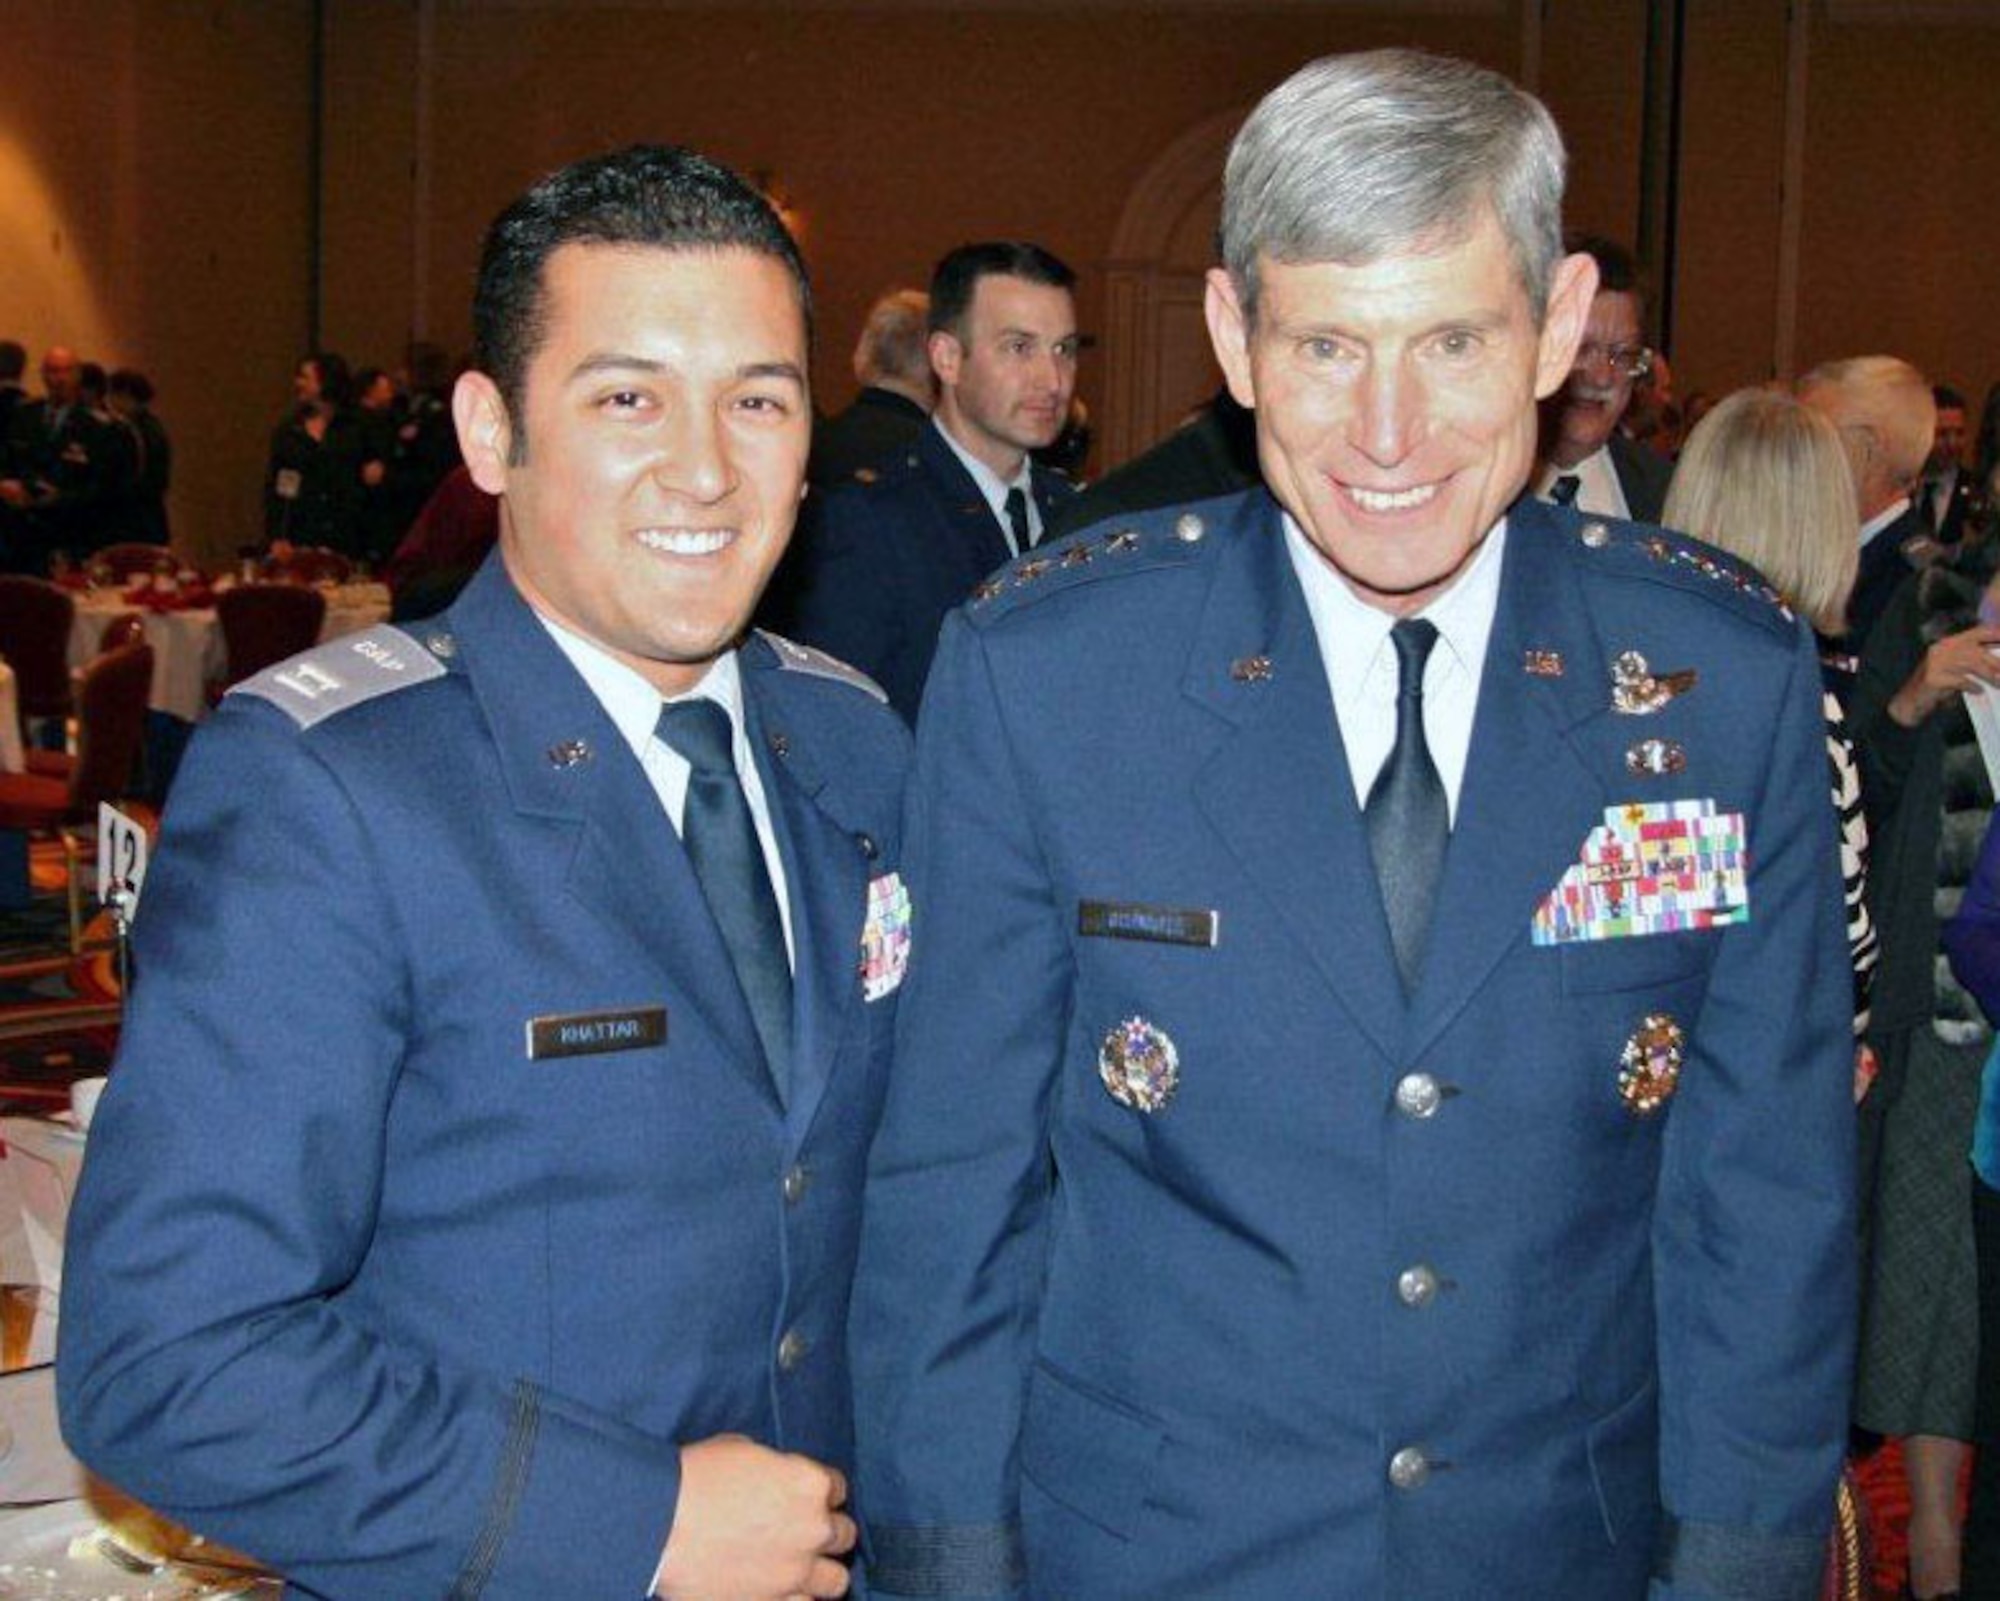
(1950, 667)
(755, 1525)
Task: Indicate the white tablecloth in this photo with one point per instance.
(12, 758)
(187, 645)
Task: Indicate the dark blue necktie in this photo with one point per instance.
(1563, 490)
(1017, 520)
(1408, 819)
(721, 840)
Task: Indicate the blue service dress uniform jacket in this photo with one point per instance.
(1343, 1297)
(879, 563)
(357, 1280)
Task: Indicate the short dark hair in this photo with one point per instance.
(956, 278)
(1945, 396)
(659, 195)
(131, 382)
(336, 378)
(1618, 270)
(13, 360)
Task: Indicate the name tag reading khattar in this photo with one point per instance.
(1661, 867)
(593, 1033)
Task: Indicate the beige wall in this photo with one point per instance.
(155, 162)
(153, 204)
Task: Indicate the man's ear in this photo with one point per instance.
(1571, 291)
(485, 431)
(946, 353)
(1229, 332)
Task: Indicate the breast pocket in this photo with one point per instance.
(1633, 962)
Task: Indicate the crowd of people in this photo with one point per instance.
(1411, 1025)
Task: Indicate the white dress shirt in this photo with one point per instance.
(1598, 490)
(995, 488)
(634, 705)
(1361, 666)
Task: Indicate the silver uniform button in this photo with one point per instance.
(1409, 1469)
(795, 1183)
(1416, 1286)
(792, 1351)
(1418, 1095)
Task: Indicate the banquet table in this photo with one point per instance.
(187, 645)
(12, 758)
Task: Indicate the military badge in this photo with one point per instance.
(1649, 1068)
(1657, 758)
(1542, 663)
(1657, 867)
(885, 937)
(1139, 1065)
(1251, 670)
(1637, 691)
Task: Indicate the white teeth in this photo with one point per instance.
(685, 542)
(1386, 500)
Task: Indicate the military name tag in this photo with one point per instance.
(591, 1033)
(1164, 925)
(1651, 868)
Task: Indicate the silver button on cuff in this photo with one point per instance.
(1418, 1095)
(792, 1350)
(1416, 1286)
(795, 1184)
(1409, 1469)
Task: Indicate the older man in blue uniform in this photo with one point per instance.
(1396, 1145)
(473, 1206)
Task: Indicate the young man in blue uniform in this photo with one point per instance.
(1397, 1145)
(473, 1209)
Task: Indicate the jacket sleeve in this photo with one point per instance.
(1972, 938)
(1754, 1267)
(207, 1365)
(947, 1293)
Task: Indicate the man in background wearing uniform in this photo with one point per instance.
(1371, 1104)
(883, 561)
(473, 1207)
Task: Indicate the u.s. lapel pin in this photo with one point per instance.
(1251, 669)
(1542, 663)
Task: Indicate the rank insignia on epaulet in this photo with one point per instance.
(796, 658)
(1081, 553)
(1677, 554)
(344, 672)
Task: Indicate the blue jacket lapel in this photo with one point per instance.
(1530, 796)
(625, 863)
(1277, 789)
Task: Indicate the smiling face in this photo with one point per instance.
(1006, 376)
(1596, 393)
(1395, 400)
(663, 430)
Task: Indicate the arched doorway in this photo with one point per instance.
(1158, 363)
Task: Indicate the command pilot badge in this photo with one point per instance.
(1649, 1068)
(1139, 1065)
(885, 937)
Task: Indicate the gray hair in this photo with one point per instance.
(1356, 157)
(894, 340)
(1883, 400)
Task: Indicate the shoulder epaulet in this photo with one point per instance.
(796, 658)
(347, 672)
(1662, 555)
(1142, 542)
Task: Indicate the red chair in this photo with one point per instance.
(35, 620)
(128, 559)
(127, 628)
(262, 624)
(59, 794)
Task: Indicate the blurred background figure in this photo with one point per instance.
(312, 476)
(131, 400)
(898, 389)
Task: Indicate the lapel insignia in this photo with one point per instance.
(1251, 669)
(1658, 758)
(1139, 1065)
(1637, 691)
(780, 743)
(885, 937)
(570, 753)
(1542, 663)
(1649, 1067)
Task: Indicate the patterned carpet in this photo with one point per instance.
(58, 1012)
